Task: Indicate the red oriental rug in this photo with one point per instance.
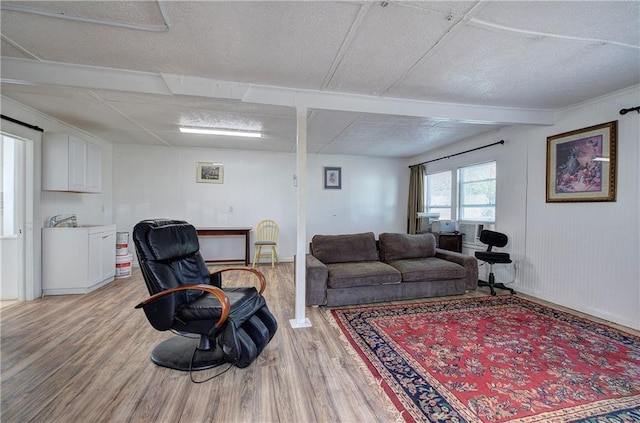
(496, 359)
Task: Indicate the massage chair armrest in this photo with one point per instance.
(259, 274)
(163, 321)
(316, 275)
(469, 263)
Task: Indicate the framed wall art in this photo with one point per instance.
(210, 173)
(332, 177)
(581, 164)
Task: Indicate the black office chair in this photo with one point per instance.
(231, 325)
(493, 239)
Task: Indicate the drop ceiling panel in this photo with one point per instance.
(281, 43)
(381, 132)
(457, 9)
(192, 102)
(130, 136)
(48, 91)
(509, 54)
(220, 142)
(326, 125)
(138, 12)
(73, 108)
(507, 70)
(166, 117)
(617, 21)
(10, 50)
(85, 43)
(275, 43)
(371, 64)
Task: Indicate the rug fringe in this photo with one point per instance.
(370, 379)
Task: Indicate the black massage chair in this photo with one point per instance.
(234, 324)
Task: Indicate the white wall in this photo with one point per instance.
(581, 255)
(373, 197)
(160, 182)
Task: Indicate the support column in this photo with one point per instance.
(300, 321)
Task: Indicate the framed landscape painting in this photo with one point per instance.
(211, 173)
(581, 164)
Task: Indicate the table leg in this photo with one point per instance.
(246, 249)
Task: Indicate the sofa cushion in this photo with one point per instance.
(344, 275)
(344, 248)
(395, 246)
(427, 269)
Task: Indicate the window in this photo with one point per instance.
(477, 192)
(438, 196)
(467, 195)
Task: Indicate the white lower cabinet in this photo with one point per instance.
(77, 260)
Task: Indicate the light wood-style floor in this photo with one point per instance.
(85, 358)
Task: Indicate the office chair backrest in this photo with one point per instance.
(493, 239)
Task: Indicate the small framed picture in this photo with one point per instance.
(210, 173)
(332, 177)
(581, 164)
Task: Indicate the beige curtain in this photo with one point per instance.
(416, 198)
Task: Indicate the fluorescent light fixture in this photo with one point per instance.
(601, 159)
(228, 132)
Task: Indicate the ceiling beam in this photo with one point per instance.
(21, 71)
(30, 72)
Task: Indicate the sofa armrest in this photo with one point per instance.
(469, 263)
(316, 278)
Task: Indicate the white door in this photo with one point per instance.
(17, 266)
(13, 217)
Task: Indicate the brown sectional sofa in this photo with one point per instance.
(357, 269)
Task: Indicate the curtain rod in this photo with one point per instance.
(457, 154)
(19, 122)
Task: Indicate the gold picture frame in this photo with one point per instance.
(209, 173)
(581, 164)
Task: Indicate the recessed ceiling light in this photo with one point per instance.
(228, 132)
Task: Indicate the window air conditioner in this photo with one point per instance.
(472, 232)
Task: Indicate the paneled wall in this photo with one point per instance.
(154, 182)
(585, 256)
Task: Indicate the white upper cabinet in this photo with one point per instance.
(94, 168)
(70, 164)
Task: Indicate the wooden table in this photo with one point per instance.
(228, 232)
(449, 241)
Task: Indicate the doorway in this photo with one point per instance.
(16, 218)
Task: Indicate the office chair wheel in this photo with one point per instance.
(502, 286)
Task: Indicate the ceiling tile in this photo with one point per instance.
(453, 55)
(506, 70)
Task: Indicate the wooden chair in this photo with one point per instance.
(266, 236)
